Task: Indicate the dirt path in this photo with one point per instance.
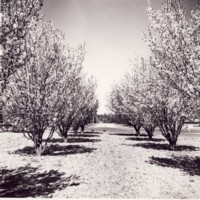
(111, 164)
(117, 169)
(108, 169)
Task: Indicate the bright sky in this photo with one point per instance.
(112, 30)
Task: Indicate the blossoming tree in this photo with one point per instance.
(144, 95)
(31, 95)
(17, 21)
(174, 39)
(165, 105)
(71, 92)
(88, 108)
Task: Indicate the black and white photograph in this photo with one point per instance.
(100, 99)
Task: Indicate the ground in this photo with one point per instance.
(111, 162)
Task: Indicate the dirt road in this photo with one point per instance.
(114, 164)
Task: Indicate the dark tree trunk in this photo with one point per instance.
(75, 131)
(65, 139)
(82, 128)
(172, 131)
(65, 136)
(63, 131)
(137, 129)
(39, 148)
(150, 134)
(1, 116)
(150, 130)
(172, 144)
(75, 127)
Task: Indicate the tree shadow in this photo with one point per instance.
(146, 139)
(158, 146)
(87, 135)
(121, 134)
(141, 135)
(74, 140)
(81, 139)
(56, 140)
(56, 150)
(90, 131)
(128, 134)
(29, 182)
(190, 165)
(93, 132)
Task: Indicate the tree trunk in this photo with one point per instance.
(150, 131)
(65, 139)
(150, 134)
(64, 136)
(82, 128)
(1, 115)
(172, 131)
(39, 148)
(75, 131)
(172, 142)
(137, 129)
(64, 133)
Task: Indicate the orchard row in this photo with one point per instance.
(164, 89)
(43, 85)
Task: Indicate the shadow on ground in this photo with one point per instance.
(56, 150)
(81, 139)
(127, 134)
(74, 140)
(29, 182)
(146, 139)
(92, 132)
(190, 165)
(88, 135)
(122, 134)
(157, 146)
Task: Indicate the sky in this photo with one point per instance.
(112, 31)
